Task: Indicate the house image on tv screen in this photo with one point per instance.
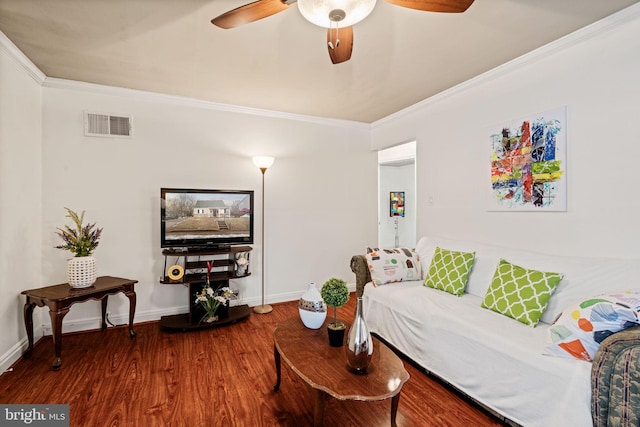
(211, 209)
(217, 208)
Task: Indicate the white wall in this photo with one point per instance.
(318, 191)
(595, 73)
(20, 196)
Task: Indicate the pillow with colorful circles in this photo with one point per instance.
(579, 330)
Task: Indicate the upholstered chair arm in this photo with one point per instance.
(615, 375)
(361, 269)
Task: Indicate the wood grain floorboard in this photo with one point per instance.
(212, 377)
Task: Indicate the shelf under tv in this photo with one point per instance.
(195, 278)
(182, 322)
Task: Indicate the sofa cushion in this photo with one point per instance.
(579, 330)
(393, 265)
(449, 270)
(520, 293)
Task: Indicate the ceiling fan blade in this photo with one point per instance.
(449, 6)
(250, 12)
(340, 44)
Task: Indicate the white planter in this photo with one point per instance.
(81, 271)
(312, 308)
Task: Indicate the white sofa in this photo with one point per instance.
(492, 358)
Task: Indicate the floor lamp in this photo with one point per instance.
(263, 162)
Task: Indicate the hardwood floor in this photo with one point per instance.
(213, 377)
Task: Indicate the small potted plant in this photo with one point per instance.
(81, 242)
(335, 293)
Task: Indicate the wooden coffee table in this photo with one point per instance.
(324, 368)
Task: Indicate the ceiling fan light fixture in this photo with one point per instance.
(324, 12)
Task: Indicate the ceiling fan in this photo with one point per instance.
(338, 16)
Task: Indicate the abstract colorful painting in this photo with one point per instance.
(528, 163)
(396, 203)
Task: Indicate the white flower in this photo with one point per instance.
(211, 299)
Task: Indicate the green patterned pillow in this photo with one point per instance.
(449, 270)
(520, 293)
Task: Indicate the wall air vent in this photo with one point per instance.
(99, 124)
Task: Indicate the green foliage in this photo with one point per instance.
(83, 240)
(335, 293)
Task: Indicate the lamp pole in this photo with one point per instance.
(263, 162)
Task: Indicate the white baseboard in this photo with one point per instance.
(18, 349)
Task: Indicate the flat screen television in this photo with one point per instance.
(205, 219)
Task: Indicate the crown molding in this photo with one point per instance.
(20, 58)
(51, 82)
(6, 45)
(602, 26)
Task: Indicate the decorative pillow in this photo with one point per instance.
(520, 293)
(449, 270)
(393, 265)
(579, 330)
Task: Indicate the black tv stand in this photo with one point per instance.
(193, 262)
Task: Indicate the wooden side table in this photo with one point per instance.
(59, 299)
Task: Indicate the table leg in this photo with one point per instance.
(318, 409)
(132, 311)
(276, 356)
(56, 325)
(28, 324)
(395, 400)
(104, 311)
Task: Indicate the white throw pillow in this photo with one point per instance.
(393, 265)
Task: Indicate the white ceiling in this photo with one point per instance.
(400, 56)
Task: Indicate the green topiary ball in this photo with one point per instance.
(335, 292)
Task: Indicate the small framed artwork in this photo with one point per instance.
(396, 203)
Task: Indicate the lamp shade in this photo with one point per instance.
(319, 12)
(262, 161)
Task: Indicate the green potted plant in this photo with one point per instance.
(335, 293)
(81, 241)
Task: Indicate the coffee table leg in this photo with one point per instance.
(395, 400)
(276, 357)
(318, 411)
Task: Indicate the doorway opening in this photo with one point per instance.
(397, 196)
